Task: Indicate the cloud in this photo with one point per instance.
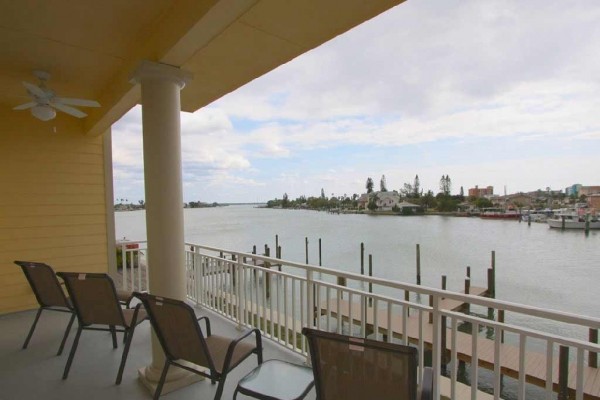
(424, 75)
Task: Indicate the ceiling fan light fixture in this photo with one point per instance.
(43, 112)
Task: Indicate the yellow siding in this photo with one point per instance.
(52, 204)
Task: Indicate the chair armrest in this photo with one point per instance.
(234, 343)
(207, 322)
(426, 388)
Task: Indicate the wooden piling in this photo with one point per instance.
(444, 280)
(593, 357)
(362, 258)
(431, 305)
(587, 224)
(491, 283)
(233, 269)
(467, 290)
(278, 252)
(320, 252)
(306, 248)
(563, 373)
(468, 272)
(418, 264)
(276, 242)
(562, 225)
(493, 265)
(266, 275)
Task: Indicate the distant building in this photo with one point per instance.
(387, 200)
(363, 200)
(519, 200)
(573, 190)
(481, 192)
(589, 190)
(593, 201)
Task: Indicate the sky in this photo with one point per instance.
(497, 92)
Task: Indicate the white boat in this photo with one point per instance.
(536, 216)
(574, 218)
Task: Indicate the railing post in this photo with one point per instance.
(418, 264)
(444, 331)
(195, 271)
(239, 290)
(124, 266)
(436, 347)
(310, 297)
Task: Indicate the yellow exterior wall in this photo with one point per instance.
(52, 201)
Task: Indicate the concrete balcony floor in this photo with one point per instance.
(36, 372)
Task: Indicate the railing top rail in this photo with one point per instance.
(466, 298)
(522, 330)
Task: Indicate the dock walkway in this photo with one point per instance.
(535, 363)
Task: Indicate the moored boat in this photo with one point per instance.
(574, 218)
(499, 213)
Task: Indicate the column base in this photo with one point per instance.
(177, 378)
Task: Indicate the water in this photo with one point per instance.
(535, 265)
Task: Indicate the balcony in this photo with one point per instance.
(479, 347)
(35, 373)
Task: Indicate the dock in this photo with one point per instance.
(535, 363)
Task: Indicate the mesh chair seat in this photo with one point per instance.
(129, 317)
(218, 346)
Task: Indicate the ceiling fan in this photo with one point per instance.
(45, 102)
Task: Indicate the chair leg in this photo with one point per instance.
(113, 332)
(35, 321)
(220, 387)
(161, 382)
(67, 331)
(72, 353)
(129, 335)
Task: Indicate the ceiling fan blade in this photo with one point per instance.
(25, 106)
(69, 110)
(34, 89)
(76, 102)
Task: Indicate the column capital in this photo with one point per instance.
(153, 70)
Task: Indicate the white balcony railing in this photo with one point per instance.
(546, 353)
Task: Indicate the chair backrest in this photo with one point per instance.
(44, 284)
(347, 367)
(94, 298)
(177, 329)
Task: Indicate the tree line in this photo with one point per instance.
(443, 201)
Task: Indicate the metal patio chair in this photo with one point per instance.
(97, 307)
(346, 367)
(49, 294)
(182, 340)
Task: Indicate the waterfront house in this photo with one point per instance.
(386, 201)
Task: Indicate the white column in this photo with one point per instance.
(161, 108)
